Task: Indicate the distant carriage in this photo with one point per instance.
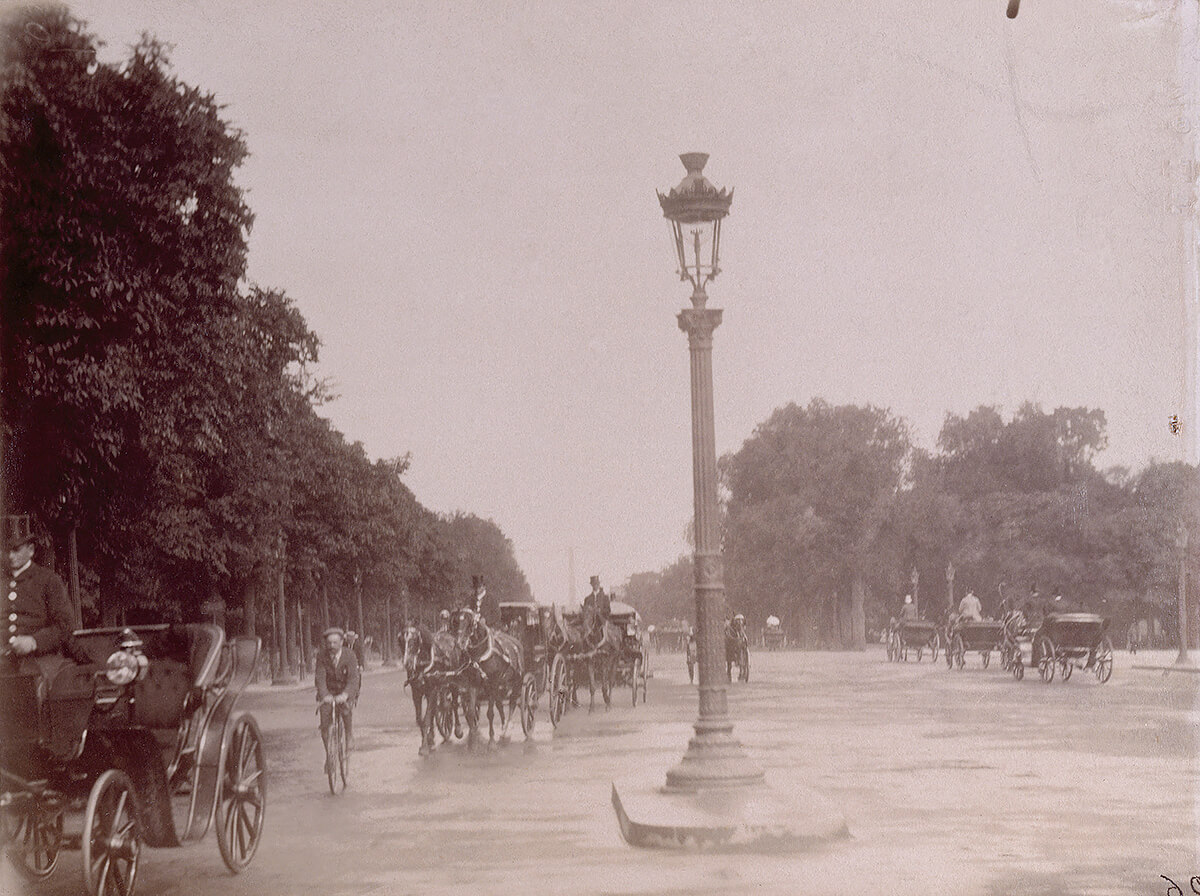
(773, 634)
(526, 621)
(917, 636)
(632, 665)
(973, 636)
(142, 738)
(1062, 643)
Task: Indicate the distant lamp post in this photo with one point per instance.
(715, 797)
(1181, 542)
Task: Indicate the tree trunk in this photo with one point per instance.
(858, 613)
(250, 608)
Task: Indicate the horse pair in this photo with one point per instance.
(459, 668)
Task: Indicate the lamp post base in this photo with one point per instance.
(776, 815)
(714, 759)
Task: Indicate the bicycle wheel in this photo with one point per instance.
(335, 757)
(344, 757)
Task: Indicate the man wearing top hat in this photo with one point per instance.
(40, 616)
(598, 600)
(338, 680)
(486, 605)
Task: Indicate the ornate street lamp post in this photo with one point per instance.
(695, 210)
(715, 797)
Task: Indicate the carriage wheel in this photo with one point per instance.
(957, 652)
(558, 688)
(529, 698)
(111, 843)
(745, 674)
(644, 676)
(920, 653)
(987, 658)
(242, 800)
(934, 645)
(891, 648)
(1046, 660)
(1065, 667)
(1104, 661)
(34, 834)
(634, 676)
(1018, 670)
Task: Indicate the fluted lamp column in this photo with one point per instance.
(715, 797)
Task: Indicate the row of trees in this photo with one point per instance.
(160, 418)
(831, 515)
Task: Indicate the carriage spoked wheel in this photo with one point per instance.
(33, 833)
(986, 656)
(957, 652)
(1046, 659)
(637, 678)
(1065, 667)
(111, 839)
(1103, 663)
(242, 800)
(891, 648)
(529, 698)
(558, 688)
(934, 646)
(1018, 669)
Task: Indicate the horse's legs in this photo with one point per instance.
(456, 709)
(471, 710)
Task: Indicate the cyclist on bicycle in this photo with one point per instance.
(338, 682)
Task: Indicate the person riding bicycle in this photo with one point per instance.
(338, 680)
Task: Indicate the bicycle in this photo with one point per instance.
(337, 751)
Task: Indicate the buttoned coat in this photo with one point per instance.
(337, 677)
(38, 606)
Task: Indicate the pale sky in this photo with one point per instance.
(935, 207)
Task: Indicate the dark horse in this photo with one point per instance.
(498, 663)
(431, 662)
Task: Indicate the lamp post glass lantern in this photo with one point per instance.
(694, 210)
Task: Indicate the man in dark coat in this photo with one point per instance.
(487, 606)
(40, 616)
(598, 601)
(338, 682)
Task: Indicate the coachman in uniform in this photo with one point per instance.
(487, 607)
(39, 614)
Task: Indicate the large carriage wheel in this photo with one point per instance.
(1018, 669)
(242, 799)
(1046, 659)
(111, 840)
(1065, 667)
(634, 675)
(1104, 661)
(934, 644)
(558, 688)
(957, 652)
(33, 832)
(529, 697)
(891, 648)
(986, 656)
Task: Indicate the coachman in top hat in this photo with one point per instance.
(39, 614)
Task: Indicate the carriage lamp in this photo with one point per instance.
(123, 667)
(694, 210)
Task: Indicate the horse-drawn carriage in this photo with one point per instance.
(137, 742)
(632, 663)
(918, 635)
(582, 650)
(972, 636)
(773, 634)
(1062, 643)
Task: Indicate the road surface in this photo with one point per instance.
(951, 782)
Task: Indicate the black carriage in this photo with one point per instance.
(632, 665)
(1063, 643)
(973, 636)
(913, 635)
(135, 743)
(526, 622)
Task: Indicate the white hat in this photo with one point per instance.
(908, 598)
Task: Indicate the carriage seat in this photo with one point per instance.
(190, 662)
